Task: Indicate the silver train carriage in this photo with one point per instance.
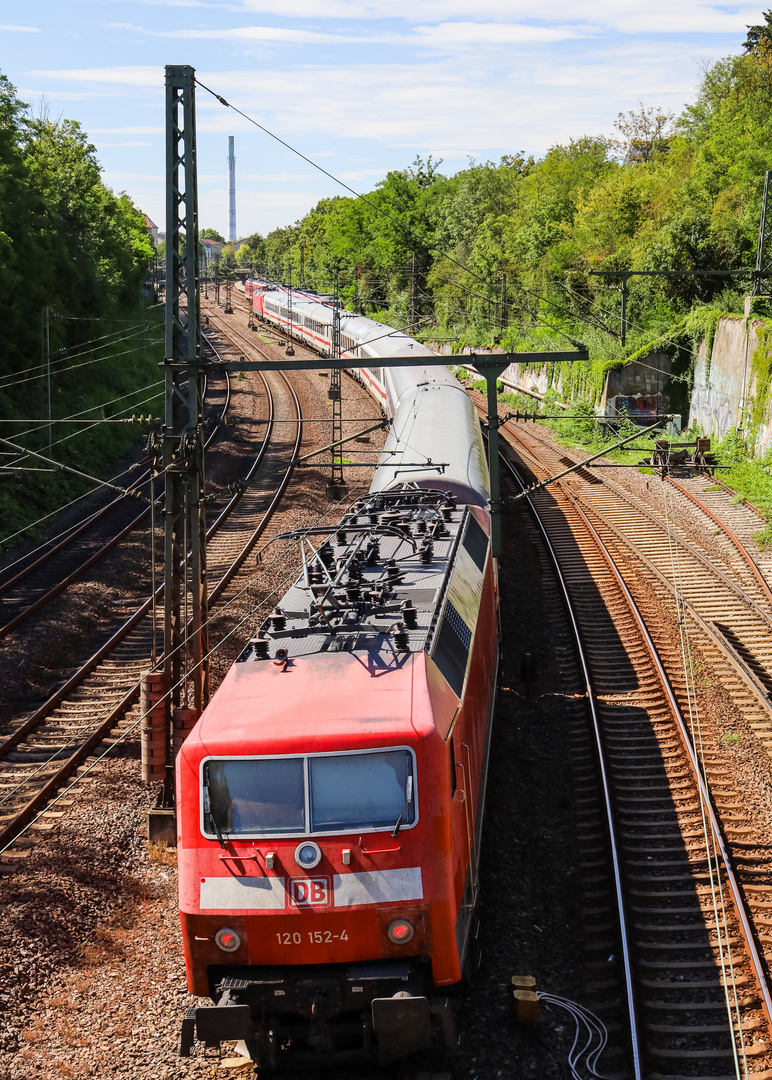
(434, 440)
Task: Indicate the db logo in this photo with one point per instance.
(306, 892)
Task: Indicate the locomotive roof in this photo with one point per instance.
(312, 704)
(345, 652)
(371, 586)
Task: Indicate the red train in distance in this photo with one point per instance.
(330, 799)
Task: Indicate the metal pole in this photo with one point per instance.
(45, 341)
(183, 444)
(336, 488)
(764, 247)
(625, 279)
(491, 378)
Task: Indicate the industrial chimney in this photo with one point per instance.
(231, 191)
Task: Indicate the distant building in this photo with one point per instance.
(155, 233)
(212, 250)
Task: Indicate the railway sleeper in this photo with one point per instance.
(665, 1052)
(753, 1024)
(685, 965)
(746, 1001)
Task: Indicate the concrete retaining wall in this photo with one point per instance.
(722, 386)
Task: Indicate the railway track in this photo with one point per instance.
(717, 589)
(694, 874)
(33, 582)
(99, 702)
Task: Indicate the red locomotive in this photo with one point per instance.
(330, 799)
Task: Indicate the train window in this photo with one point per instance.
(362, 791)
(476, 543)
(271, 796)
(254, 795)
(451, 649)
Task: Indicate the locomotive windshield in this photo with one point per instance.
(300, 796)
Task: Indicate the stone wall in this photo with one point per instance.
(722, 385)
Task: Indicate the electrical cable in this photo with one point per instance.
(77, 736)
(417, 242)
(596, 1036)
(43, 369)
(726, 957)
(86, 363)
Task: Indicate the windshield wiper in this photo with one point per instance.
(208, 809)
(408, 797)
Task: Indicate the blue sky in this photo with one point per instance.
(360, 86)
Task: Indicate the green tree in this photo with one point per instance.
(759, 37)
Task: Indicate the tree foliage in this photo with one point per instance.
(66, 241)
(505, 251)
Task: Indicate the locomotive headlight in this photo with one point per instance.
(400, 931)
(227, 939)
(308, 855)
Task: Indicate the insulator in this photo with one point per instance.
(278, 619)
(353, 592)
(420, 526)
(390, 518)
(409, 615)
(325, 554)
(340, 536)
(401, 637)
(392, 570)
(373, 554)
(427, 551)
(355, 568)
(260, 645)
(315, 577)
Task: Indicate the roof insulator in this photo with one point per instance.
(260, 645)
(278, 619)
(401, 637)
(410, 615)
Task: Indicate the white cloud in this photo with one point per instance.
(150, 77)
(689, 16)
(280, 34)
(136, 130)
(22, 29)
(474, 34)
